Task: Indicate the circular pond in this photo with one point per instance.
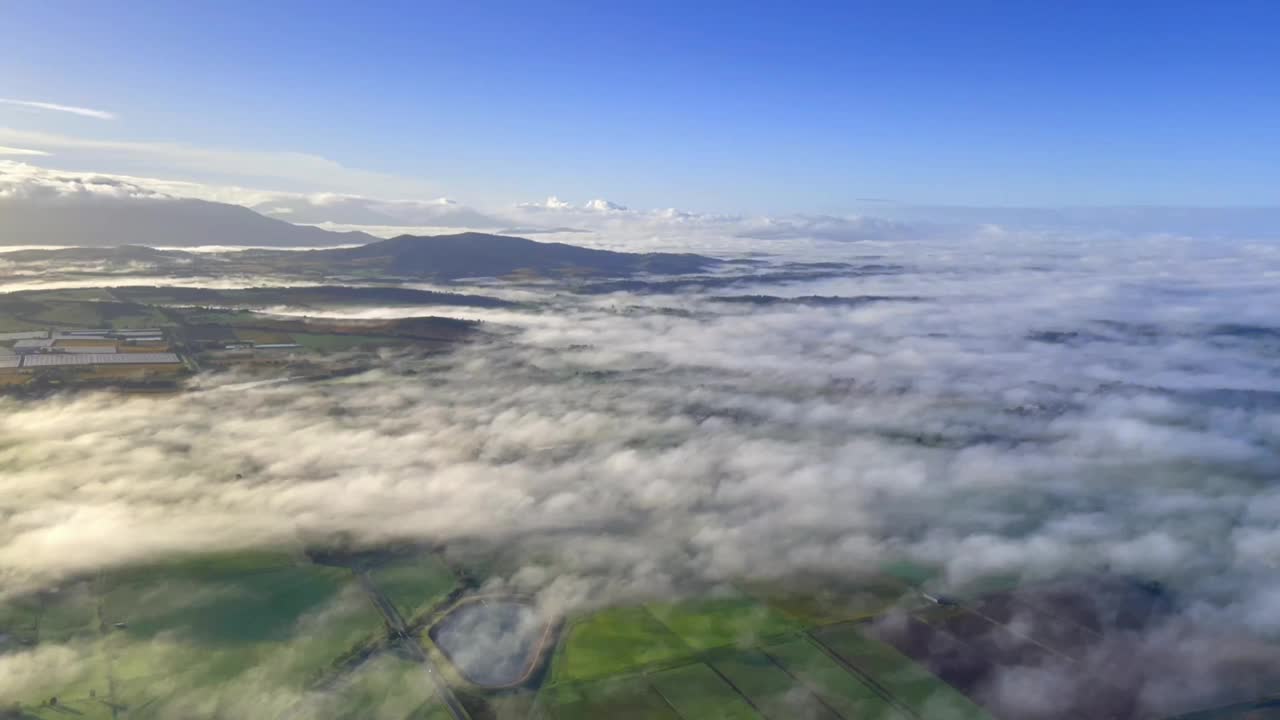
(492, 642)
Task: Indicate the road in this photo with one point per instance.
(400, 631)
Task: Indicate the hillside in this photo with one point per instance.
(484, 255)
(122, 254)
(152, 222)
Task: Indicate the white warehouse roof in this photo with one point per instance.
(27, 335)
(57, 360)
(32, 343)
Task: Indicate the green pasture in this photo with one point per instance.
(842, 691)
(512, 705)
(336, 343)
(193, 638)
(614, 641)
(414, 583)
(907, 681)
(713, 622)
(12, 323)
(821, 606)
(770, 688)
(385, 688)
(696, 691)
(629, 698)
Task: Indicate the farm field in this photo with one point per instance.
(741, 658)
(696, 691)
(513, 705)
(188, 636)
(631, 698)
(11, 323)
(770, 688)
(818, 606)
(614, 641)
(918, 690)
(386, 687)
(191, 638)
(844, 692)
(413, 583)
(715, 622)
(72, 314)
(218, 336)
(337, 343)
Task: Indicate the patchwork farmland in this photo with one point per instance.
(944, 659)
(406, 634)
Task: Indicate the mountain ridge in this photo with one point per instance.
(475, 254)
(152, 222)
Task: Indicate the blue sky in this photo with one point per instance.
(742, 107)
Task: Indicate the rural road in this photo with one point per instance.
(400, 629)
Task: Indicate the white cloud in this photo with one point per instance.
(18, 179)
(599, 223)
(300, 172)
(555, 204)
(602, 205)
(551, 203)
(4, 150)
(55, 107)
(829, 227)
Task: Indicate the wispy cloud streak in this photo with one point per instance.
(5, 150)
(55, 107)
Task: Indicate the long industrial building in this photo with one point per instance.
(69, 359)
(26, 335)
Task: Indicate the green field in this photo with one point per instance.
(384, 688)
(414, 583)
(614, 641)
(910, 683)
(20, 622)
(68, 613)
(777, 695)
(75, 314)
(9, 323)
(251, 600)
(911, 573)
(194, 638)
(262, 337)
(846, 693)
(626, 699)
(513, 706)
(286, 626)
(76, 684)
(821, 606)
(715, 622)
(696, 691)
(93, 314)
(336, 343)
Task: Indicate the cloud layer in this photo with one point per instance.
(1034, 415)
(1039, 408)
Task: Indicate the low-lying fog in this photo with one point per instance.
(1039, 408)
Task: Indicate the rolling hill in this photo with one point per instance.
(483, 255)
(153, 222)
